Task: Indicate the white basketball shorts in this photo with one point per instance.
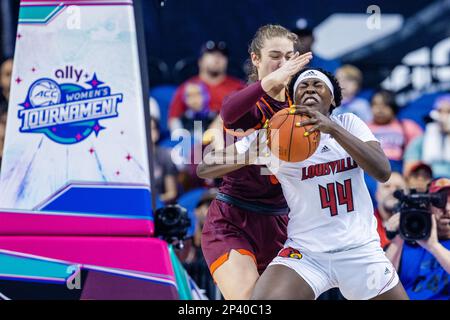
(361, 273)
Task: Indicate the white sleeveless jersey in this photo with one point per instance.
(330, 206)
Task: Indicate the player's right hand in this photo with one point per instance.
(280, 78)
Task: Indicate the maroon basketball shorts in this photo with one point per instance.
(229, 227)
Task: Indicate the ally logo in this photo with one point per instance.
(67, 113)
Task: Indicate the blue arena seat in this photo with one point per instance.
(163, 95)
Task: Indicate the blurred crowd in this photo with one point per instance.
(419, 153)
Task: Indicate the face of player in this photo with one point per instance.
(274, 54)
(382, 113)
(5, 75)
(314, 93)
(442, 217)
(213, 63)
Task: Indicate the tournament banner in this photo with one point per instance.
(76, 141)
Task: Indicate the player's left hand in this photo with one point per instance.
(318, 120)
(432, 241)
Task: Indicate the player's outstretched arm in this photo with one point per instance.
(218, 163)
(239, 104)
(368, 155)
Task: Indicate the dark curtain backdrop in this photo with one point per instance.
(176, 30)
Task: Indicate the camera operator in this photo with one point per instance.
(386, 203)
(424, 265)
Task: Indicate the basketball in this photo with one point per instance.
(287, 141)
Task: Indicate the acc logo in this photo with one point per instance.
(67, 113)
(290, 253)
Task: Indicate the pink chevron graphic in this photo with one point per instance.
(42, 223)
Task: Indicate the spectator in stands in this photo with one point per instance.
(213, 138)
(350, 78)
(196, 98)
(195, 263)
(419, 177)
(5, 83)
(386, 203)
(433, 147)
(165, 172)
(305, 35)
(424, 267)
(394, 134)
(213, 84)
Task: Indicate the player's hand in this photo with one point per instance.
(393, 223)
(318, 121)
(280, 78)
(432, 241)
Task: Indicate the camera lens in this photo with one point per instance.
(416, 224)
(171, 222)
(415, 216)
(171, 216)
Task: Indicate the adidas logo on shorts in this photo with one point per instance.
(324, 149)
(387, 271)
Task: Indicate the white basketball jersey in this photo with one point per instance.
(331, 209)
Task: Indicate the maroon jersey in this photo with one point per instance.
(246, 109)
